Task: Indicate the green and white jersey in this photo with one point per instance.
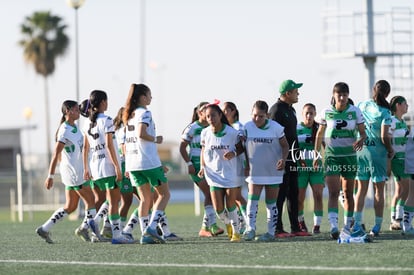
(306, 144)
(218, 171)
(409, 154)
(399, 132)
(99, 160)
(192, 134)
(264, 151)
(375, 116)
(341, 130)
(71, 164)
(140, 154)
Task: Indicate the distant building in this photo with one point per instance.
(10, 146)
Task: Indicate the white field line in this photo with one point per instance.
(222, 266)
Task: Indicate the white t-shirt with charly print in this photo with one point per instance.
(140, 154)
(100, 163)
(71, 164)
(218, 171)
(264, 151)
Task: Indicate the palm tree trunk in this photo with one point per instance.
(47, 120)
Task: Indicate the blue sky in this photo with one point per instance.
(196, 50)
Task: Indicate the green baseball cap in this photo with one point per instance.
(288, 85)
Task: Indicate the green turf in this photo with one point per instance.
(23, 252)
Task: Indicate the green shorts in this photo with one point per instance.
(106, 183)
(343, 166)
(126, 186)
(196, 165)
(372, 163)
(310, 175)
(397, 168)
(79, 187)
(155, 177)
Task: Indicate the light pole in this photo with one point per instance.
(76, 4)
(28, 113)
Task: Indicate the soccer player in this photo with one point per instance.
(191, 138)
(306, 131)
(100, 159)
(266, 150)
(399, 132)
(68, 150)
(339, 124)
(143, 164)
(372, 159)
(220, 146)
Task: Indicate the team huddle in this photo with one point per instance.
(344, 147)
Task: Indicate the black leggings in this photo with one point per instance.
(288, 191)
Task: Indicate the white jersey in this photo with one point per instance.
(71, 165)
(263, 152)
(218, 171)
(120, 140)
(99, 160)
(140, 154)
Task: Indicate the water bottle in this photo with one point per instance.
(352, 240)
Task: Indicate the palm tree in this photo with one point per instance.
(44, 40)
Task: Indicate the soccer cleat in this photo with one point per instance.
(395, 225)
(122, 240)
(375, 231)
(204, 233)
(44, 234)
(334, 233)
(127, 235)
(316, 229)
(154, 234)
(235, 238)
(95, 230)
(83, 234)
(159, 231)
(283, 234)
(107, 232)
(249, 235)
(229, 231)
(216, 230)
(147, 240)
(359, 233)
(301, 234)
(266, 238)
(302, 226)
(172, 237)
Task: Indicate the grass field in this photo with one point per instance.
(23, 252)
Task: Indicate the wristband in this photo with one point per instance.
(235, 153)
(189, 163)
(155, 139)
(50, 176)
